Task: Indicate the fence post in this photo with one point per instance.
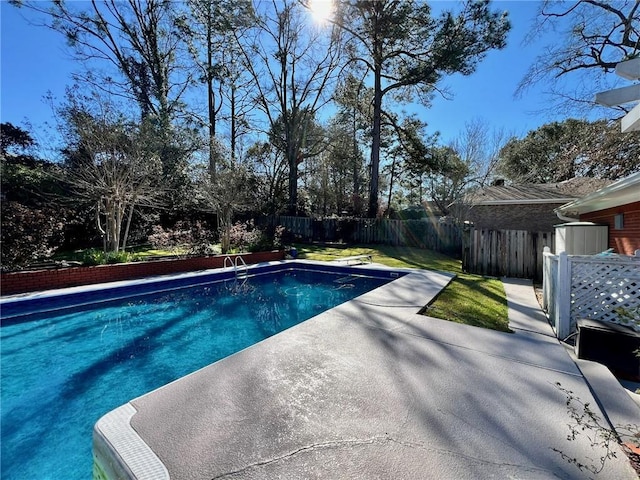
(563, 297)
(467, 242)
(546, 281)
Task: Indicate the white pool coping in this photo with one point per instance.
(121, 452)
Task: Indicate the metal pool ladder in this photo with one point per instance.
(241, 271)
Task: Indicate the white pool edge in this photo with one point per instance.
(119, 452)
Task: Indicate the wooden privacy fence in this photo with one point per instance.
(424, 233)
(511, 253)
(589, 286)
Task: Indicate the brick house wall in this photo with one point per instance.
(535, 217)
(626, 240)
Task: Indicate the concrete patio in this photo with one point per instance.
(369, 390)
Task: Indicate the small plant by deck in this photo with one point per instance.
(603, 437)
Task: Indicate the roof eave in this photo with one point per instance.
(529, 201)
(622, 192)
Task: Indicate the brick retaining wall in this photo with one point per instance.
(23, 282)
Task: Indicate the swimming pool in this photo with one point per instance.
(68, 359)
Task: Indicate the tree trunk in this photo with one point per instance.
(110, 221)
(293, 183)
(103, 234)
(126, 230)
(393, 174)
(224, 225)
(291, 128)
(234, 133)
(211, 101)
(377, 121)
(355, 156)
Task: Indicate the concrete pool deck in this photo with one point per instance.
(371, 389)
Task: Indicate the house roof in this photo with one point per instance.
(432, 208)
(535, 193)
(621, 192)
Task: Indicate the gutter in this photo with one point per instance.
(562, 217)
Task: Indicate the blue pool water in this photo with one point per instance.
(62, 369)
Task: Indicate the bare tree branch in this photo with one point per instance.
(596, 35)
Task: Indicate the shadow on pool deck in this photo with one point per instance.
(371, 389)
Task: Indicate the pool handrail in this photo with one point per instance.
(235, 264)
(244, 266)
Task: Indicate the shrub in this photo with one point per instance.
(245, 236)
(94, 256)
(205, 249)
(120, 257)
(28, 233)
(169, 238)
(278, 236)
(192, 236)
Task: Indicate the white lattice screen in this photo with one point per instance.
(604, 287)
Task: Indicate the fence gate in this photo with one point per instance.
(511, 253)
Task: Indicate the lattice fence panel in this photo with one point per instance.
(600, 287)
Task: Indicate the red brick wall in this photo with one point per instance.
(22, 282)
(624, 241)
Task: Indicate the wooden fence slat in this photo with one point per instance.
(515, 253)
(419, 233)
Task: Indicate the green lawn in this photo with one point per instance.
(468, 299)
(400, 257)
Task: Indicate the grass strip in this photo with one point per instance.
(472, 300)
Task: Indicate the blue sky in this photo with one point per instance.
(35, 60)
